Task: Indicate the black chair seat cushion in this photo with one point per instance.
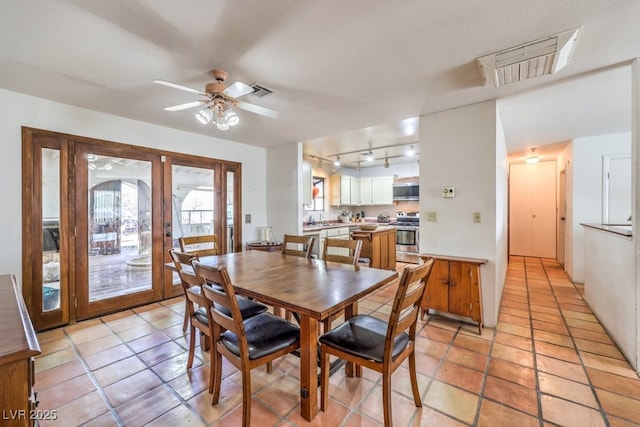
(248, 309)
(364, 336)
(266, 334)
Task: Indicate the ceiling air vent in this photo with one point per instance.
(260, 91)
(529, 60)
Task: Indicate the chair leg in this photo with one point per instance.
(269, 367)
(186, 316)
(192, 346)
(205, 342)
(414, 380)
(386, 398)
(215, 375)
(246, 398)
(324, 378)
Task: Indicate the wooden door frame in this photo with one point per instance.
(31, 244)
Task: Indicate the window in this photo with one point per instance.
(317, 195)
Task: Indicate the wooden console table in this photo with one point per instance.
(18, 346)
(454, 287)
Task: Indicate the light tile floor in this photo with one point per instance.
(548, 362)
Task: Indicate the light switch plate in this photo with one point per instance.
(448, 192)
(247, 218)
(476, 217)
(432, 216)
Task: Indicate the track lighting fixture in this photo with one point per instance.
(386, 162)
(358, 166)
(411, 152)
(337, 162)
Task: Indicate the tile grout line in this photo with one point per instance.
(601, 410)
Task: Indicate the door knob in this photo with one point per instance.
(168, 234)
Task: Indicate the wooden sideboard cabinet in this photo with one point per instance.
(18, 346)
(379, 246)
(454, 287)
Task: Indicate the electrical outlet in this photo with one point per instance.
(432, 216)
(476, 217)
(448, 192)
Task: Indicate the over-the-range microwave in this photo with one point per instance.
(406, 191)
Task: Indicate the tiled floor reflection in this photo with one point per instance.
(548, 362)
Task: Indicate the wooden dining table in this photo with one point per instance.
(313, 288)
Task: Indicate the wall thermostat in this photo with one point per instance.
(448, 192)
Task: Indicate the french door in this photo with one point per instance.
(99, 218)
(118, 210)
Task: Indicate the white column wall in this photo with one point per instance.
(17, 110)
(635, 159)
(284, 189)
(458, 149)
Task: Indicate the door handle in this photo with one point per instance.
(168, 234)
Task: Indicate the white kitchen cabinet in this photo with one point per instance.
(382, 190)
(307, 183)
(365, 191)
(340, 187)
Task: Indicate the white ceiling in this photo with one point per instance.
(346, 74)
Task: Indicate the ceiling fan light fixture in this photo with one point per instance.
(204, 116)
(231, 117)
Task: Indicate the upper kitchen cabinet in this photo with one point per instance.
(307, 183)
(382, 190)
(364, 191)
(341, 188)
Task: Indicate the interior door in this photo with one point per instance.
(117, 213)
(532, 209)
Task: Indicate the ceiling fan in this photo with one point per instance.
(219, 100)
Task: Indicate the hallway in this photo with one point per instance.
(548, 362)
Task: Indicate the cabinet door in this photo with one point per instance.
(345, 190)
(382, 190)
(437, 292)
(365, 191)
(460, 287)
(354, 189)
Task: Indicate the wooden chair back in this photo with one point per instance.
(300, 246)
(342, 250)
(406, 305)
(193, 299)
(204, 245)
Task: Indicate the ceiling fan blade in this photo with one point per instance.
(238, 89)
(177, 86)
(258, 109)
(184, 106)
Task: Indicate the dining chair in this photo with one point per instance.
(369, 342)
(195, 310)
(342, 251)
(300, 246)
(247, 343)
(204, 245)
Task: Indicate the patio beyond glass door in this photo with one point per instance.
(117, 229)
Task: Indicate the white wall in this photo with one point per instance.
(502, 212)
(586, 195)
(635, 203)
(284, 189)
(458, 148)
(17, 110)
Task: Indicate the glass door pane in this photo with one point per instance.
(119, 226)
(192, 202)
(50, 204)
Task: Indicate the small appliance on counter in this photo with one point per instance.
(384, 219)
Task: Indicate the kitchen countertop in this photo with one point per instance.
(319, 227)
(621, 229)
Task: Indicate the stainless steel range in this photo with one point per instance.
(407, 236)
